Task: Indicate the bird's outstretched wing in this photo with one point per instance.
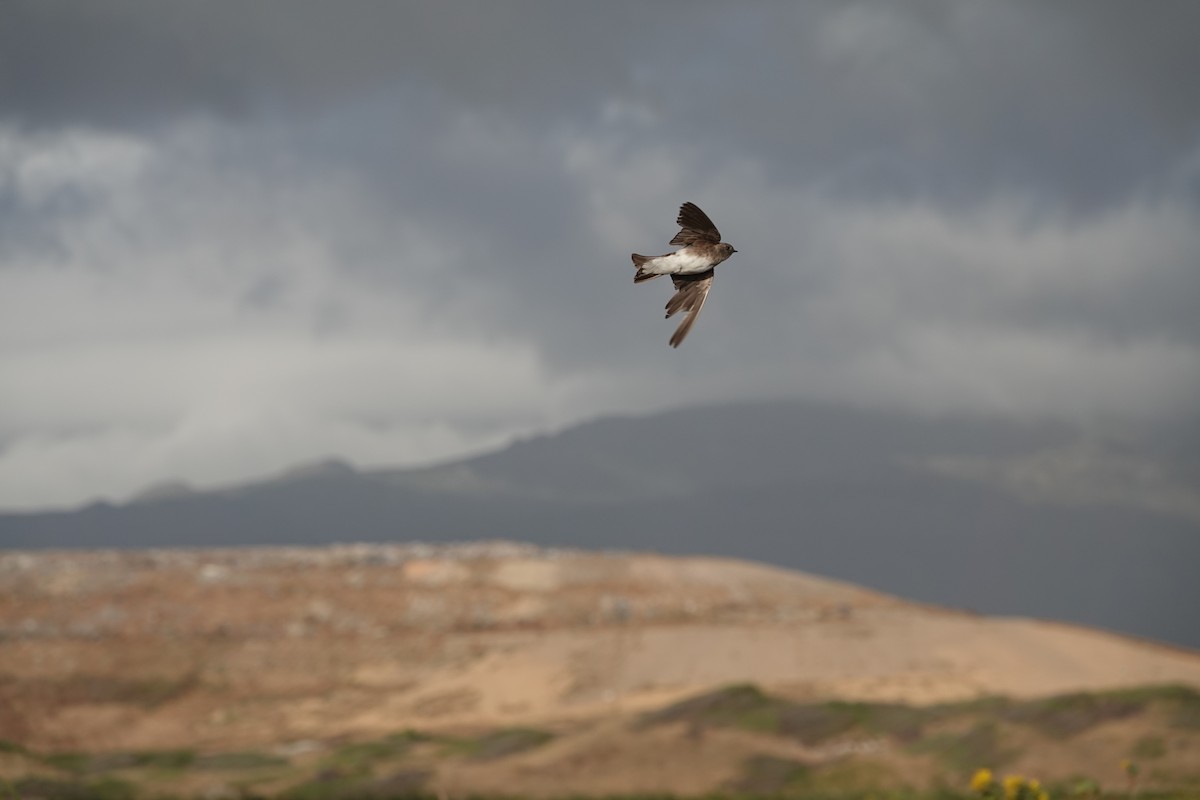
(697, 227)
(690, 293)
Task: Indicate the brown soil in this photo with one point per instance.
(229, 650)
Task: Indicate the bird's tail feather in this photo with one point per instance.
(640, 262)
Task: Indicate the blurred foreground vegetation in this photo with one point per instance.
(1147, 741)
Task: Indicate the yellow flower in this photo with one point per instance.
(1012, 786)
(981, 781)
(1043, 795)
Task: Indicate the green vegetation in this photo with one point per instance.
(1182, 703)
(93, 764)
(339, 784)
(246, 760)
(144, 693)
(791, 779)
(1071, 714)
(1013, 787)
(507, 742)
(497, 744)
(771, 775)
(361, 757)
(749, 708)
(328, 785)
(742, 706)
(1149, 747)
(56, 789)
(813, 724)
(364, 769)
(76, 763)
(818, 750)
(965, 751)
(377, 769)
(12, 747)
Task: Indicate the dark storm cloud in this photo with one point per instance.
(1082, 100)
(1088, 100)
(121, 62)
(873, 99)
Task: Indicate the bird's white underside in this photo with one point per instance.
(677, 263)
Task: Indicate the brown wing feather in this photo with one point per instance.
(697, 227)
(690, 294)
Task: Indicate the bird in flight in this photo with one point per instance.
(690, 267)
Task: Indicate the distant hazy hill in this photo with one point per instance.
(996, 517)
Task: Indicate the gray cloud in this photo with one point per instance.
(1086, 99)
(233, 237)
(135, 62)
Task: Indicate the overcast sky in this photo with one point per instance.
(234, 237)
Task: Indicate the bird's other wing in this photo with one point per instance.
(690, 293)
(697, 227)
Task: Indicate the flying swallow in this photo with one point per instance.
(690, 267)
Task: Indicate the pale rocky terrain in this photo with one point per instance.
(250, 647)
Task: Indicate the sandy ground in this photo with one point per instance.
(223, 649)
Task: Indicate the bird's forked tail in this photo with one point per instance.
(639, 262)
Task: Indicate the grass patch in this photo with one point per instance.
(361, 758)
(7, 746)
(509, 741)
(851, 777)
(1182, 704)
(350, 771)
(1149, 747)
(409, 735)
(54, 789)
(816, 723)
(239, 761)
(75, 763)
(165, 760)
(813, 724)
(962, 753)
(334, 785)
(96, 763)
(741, 706)
(762, 775)
(326, 785)
(497, 744)
(968, 735)
(747, 707)
(1068, 715)
(402, 783)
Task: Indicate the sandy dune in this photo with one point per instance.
(252, 647)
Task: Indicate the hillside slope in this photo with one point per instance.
(256, 647)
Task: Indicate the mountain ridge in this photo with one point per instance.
(922, 507)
